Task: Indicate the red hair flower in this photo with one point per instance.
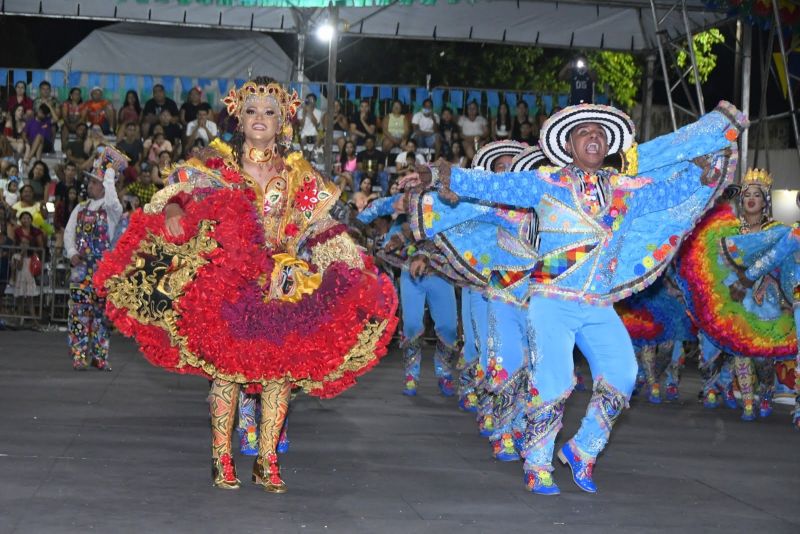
(231, 176)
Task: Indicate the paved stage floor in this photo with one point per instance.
(128, 451)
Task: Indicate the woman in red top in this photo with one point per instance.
(131, 111)
(20, 97)
(71, 110)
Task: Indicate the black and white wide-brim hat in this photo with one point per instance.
(529, 159)
(618, 126)
(486, 156)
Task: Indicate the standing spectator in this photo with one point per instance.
(189, 109)
(456, 155)
(448, 129)
(202, 130)
(98, 111)
(29, 239)
(71, 112)
(362, 124)
(370, 165)
(14, 130)
(309, 118)
(474, 129)
(520, 118)
(20, 98)
(154, 107)
(143, 188)
(75, 150)
(426, 125)
(46, 98)
(395, 128)
(39, 134)
(502, 124)
(131, 145)
(130, 112)
(340, 125)
(581, 81)
(172, 132)
(39, 178)
(156, 145)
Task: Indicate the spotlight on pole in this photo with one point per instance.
(325, 32)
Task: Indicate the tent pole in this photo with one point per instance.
(333, 20)
(664, 70)
(737, 65)
(785, 64)
(747, 63)
(693, 59)
(647, 106)
(766, 59)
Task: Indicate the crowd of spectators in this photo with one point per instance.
(44, 178)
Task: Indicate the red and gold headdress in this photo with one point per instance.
(288, 103)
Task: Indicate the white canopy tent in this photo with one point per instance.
(149, 50)
(609, 24)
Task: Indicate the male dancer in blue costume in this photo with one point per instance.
(602, 236)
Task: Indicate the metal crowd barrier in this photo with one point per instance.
(22, 290)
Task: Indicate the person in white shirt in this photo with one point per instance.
(474, 130)
(87, 237)
(201, 129)
(408, 160)
(426, 127)
(310, 120)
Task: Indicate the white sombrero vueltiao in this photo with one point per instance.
(618, 126)
(529, 159)
(486, 156)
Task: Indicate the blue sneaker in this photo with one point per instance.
(410, 387)
(486, 426)
(581, 469)
(541, 483)
(446, 386)
(655, 394)
(503, 449)
(730, 400)
(672, 392)
(469, 403)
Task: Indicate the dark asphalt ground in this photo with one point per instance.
(128, 451)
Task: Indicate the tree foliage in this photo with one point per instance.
(620, 74)
(704, 44)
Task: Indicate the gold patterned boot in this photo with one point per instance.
(267, 473)
(274, 405)
(223, 472)
(222, 400)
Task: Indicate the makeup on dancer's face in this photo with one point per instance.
(261, 117)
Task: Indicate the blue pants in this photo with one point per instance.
(441, 299)
(506, 364)
(473, 321)
(556, 326)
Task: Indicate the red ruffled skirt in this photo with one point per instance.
(195, 304)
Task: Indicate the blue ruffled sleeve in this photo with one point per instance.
(520, 189)
(380, 207)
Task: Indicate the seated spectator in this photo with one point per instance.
(202, 130)
(98, 111)
(362, 123)
(367, 189)
(520, 118)
(39, 134)
(11, 192)
(155, 175)
(70, 180)
(20, 98)
(164, 162)
(28, 203)
(172, 132)
(156, 145)
(502, 124)
(396, 128)
(526, 134)
(130, 112)
(14, 130)
(143, 188)
(133, 147)
(310, 122)
(448, 129)
(371, 162)
(39, 178)
(189, 109)
(75, 150)
(226, 124)
(474, 130)
(94, 140)
(7, 156)
(406, 161)
(346, 167)
(426, 128)
(46, 98)
(154, 107)
(456, 155)
(341, 126)
(71, 113)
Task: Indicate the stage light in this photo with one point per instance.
(325, 32)
(580, 64)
